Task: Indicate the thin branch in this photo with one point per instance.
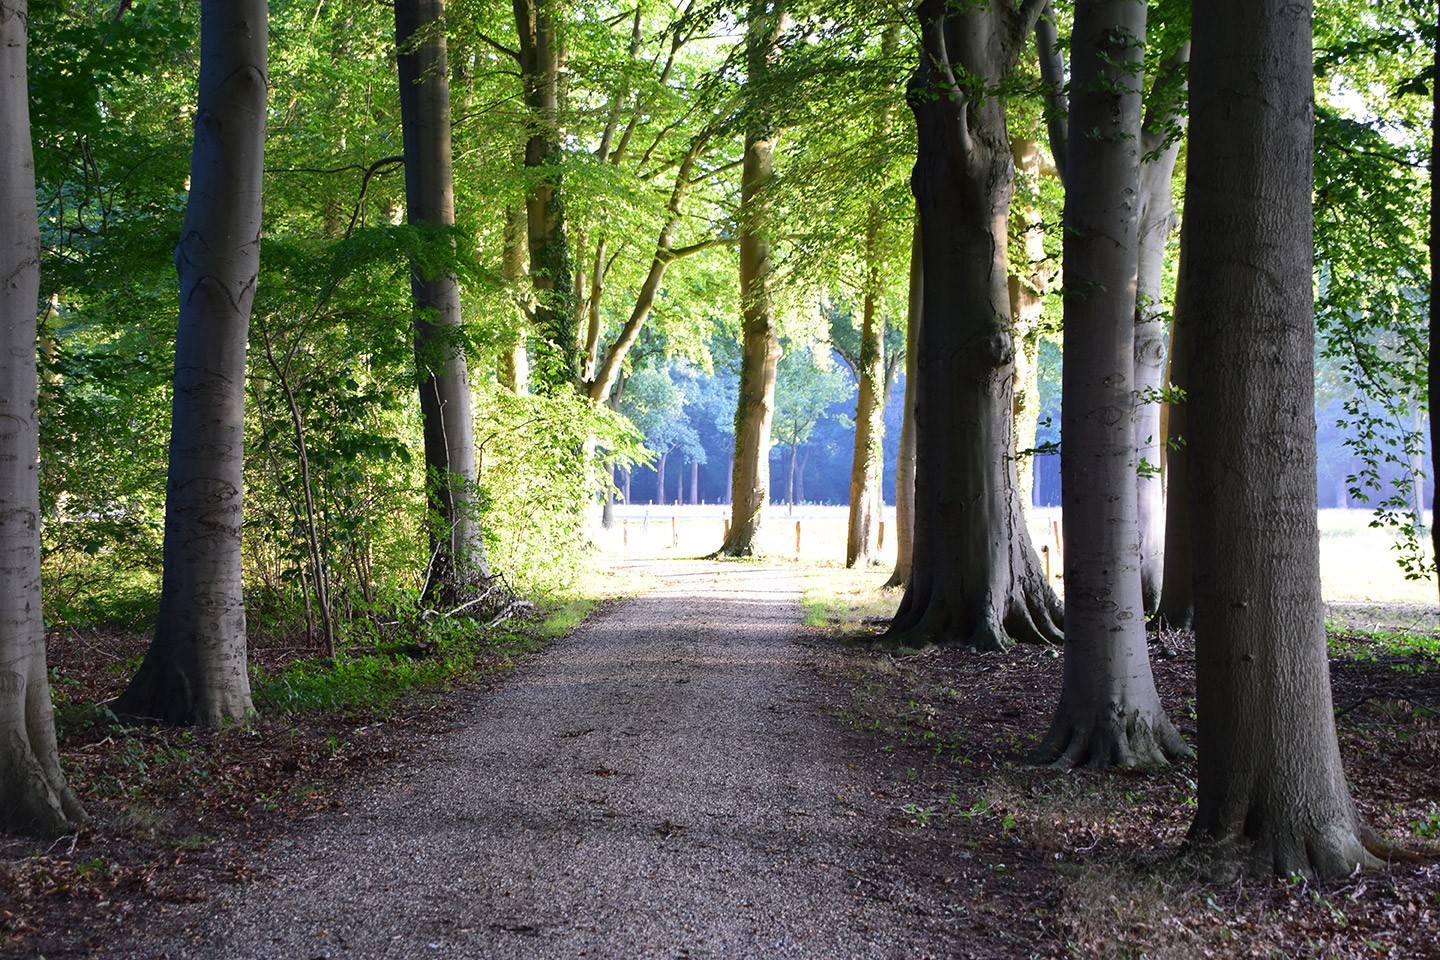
(496, 44)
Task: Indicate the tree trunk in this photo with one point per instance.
(1160, 145)
(755, 406)
(1177, 592)
(1432, 375)
(33, 796)
(975, 578)
(515, 360)
(790, 484)
(905, 456)
(195, 670)
(862, 544)
(660, 478)
(1109, 712)
(695, 482)
(556, 363)
(1027, 307)
(1271, 789)
(457, 561)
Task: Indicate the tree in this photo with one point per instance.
(456, 544)
(750, 480)
(805, 389)
(1271, 788)
(1160, 138)
(975, 577)
(556, 358)
(1109, 713)
(1432, 371)
(905, 452)
(862, 542)
(33, 795)
(195, 668)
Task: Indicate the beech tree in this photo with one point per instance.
(556, 358)
(1271, 788)
(457, 546)
(1159, 139)
(755, 407)
(195, 668)
(1109, 713)
(33, 795)
(905, 452)
(975, 577)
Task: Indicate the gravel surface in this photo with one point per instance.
(661, 783)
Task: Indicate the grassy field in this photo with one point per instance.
(1357, 563)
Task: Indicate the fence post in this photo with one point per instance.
(625, 533)
(674, 533)
(797, 539)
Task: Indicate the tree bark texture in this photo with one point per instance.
(1432, 372)
(1027, 307)
(556, 360)
(760, 356)
(862, 545)
(1271, 790)
(514, 360)
(1160, 146)
(905, 453)
(975, 577)
(862, 541)
(1109, 712)
(195, 670)
(33, 796)
(1176, 608)
(457, 548)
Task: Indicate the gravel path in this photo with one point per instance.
(661, 783)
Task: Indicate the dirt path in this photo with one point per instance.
(661, 783)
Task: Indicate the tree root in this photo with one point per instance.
(1118, 736)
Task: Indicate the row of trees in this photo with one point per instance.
(629, 176)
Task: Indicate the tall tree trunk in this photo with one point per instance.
(660, 478)
(457, 560)
(867, 464)
(515, 359)
(862, 542)
(1109, 712)
(1271, 788)
(1177, 592)
(1027, 307)
(695, 482)
(1433, 363)
(1160, 146)
(755, 405)
(975, 578)
(556, 360)
(195, 670)
(905, 455)
(33, 796)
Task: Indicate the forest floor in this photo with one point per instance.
(693, 772)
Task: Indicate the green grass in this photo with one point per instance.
(850, 602)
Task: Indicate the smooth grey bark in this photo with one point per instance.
(34, 798)
(1109, 713)
(555, 363)
(1272, 794)
(975, 577)
(1160, 146)
(760, 356)
(195, 669)
(905, 454)
(1176, 608)
(457, 547)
